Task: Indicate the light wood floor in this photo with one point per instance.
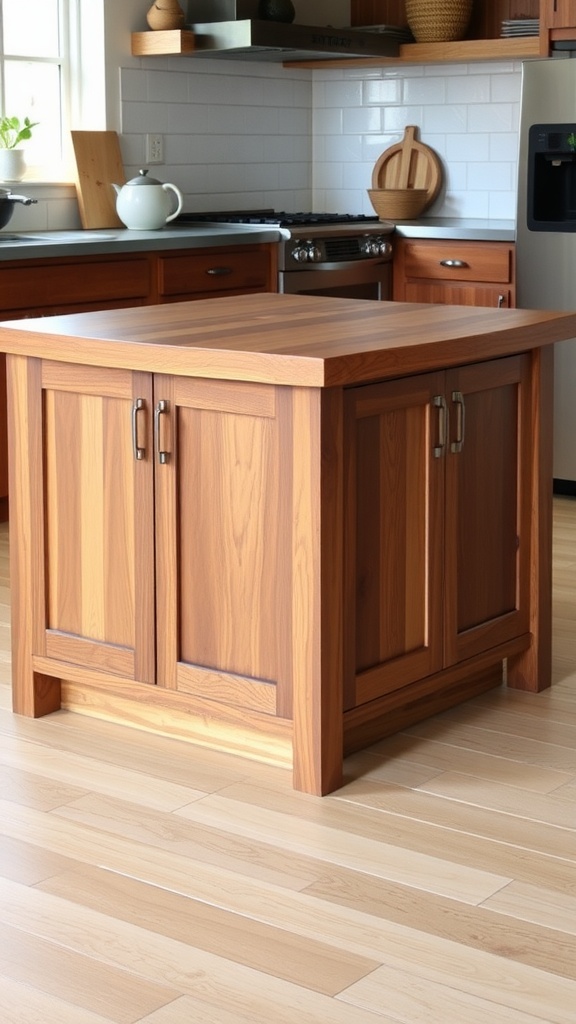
(142, 879)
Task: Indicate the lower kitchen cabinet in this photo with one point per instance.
(47, 287)
(455, 272)
(158, 492)
(437, 536)
(180, 555)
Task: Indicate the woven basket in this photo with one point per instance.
(398, 203)
(438, 21)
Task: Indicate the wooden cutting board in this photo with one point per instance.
(409, 164)
(98, 164)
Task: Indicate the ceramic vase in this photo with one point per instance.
(165, 14)
(438, 21)
(12, 164)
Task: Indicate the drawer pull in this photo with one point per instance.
(160, 410)
(137, 407)
(219, 271)
(453, 263)
(458, 443)
(439, 402)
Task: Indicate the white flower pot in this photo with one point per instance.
(12, 164)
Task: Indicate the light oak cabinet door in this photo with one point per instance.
(437, 532)
(92, 518)
(223, 522)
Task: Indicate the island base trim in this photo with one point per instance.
(177, 723)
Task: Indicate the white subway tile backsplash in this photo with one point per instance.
(241, 135)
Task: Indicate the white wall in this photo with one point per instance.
(246, 135)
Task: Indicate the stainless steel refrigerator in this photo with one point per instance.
(546, 229)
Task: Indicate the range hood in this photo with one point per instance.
(229, 30)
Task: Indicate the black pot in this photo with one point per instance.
(7, 201)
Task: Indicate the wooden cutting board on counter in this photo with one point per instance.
(409, 164)
(98, 164)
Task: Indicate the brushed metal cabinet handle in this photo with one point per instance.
(439, 402)
(138, 407)
(219, 271)
(453, 263)
(458, 444)
(161, 453)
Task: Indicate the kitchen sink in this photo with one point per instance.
(55, 237)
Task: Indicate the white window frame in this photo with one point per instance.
(82, 64)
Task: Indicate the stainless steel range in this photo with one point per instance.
(341, 255)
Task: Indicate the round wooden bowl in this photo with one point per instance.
(398, 203)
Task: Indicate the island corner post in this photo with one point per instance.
(309, 418)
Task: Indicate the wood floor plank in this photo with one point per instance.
(424, 823)
(34, 790)
(536, 904)
(438, 884)
(162, 758)
(211, 979)
(550, 950)
(346, 848)
(505, 723)
(313, 964)
(112, 832)
(80, 980)
(558, 808)
(442, 756)
(23, 862)
(22, 1004)
(418, 1000)
(520, 749)
(52, 766)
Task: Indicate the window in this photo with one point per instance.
(51, 61)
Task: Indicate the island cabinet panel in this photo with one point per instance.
(223, 552)
(3, 443)
(393, 536)
(95, 501)
(437, 537)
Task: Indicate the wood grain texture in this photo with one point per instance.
(98, 165)
(283, 339)
(147, 881)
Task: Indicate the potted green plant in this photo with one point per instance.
(13, 131)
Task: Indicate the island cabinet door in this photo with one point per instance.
(223, 517)
(394, 534)
(88, 518)
(488, 507)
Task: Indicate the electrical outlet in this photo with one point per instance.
(154, 149)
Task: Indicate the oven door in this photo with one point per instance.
(365, 279)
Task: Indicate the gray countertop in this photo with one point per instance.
(464, 228)
(41, 244)
(46, 244)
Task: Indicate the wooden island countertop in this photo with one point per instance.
(280, 526)
(299, 341)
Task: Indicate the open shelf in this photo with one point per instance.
(180, 42)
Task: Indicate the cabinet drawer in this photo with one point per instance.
(73, 284)
(459, 261)
(241, 270)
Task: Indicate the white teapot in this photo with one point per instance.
(144, 204)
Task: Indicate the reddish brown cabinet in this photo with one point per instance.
(455, 272)
(46, 287)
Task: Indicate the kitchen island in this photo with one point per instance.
(276, 525)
